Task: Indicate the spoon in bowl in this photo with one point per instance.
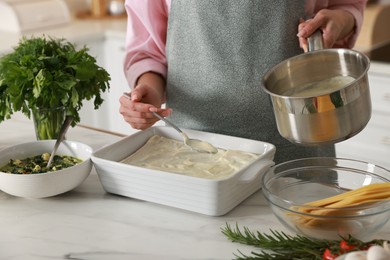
(60, 138)
(195, 144)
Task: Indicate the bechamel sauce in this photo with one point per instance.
(165, 154)
(320, 88)
(199, 146)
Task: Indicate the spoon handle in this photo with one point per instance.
(61, 136)
(161, 118)
(168, 122)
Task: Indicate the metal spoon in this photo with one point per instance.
(60, 138)
(195, 144)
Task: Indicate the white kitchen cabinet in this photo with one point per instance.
(114, 49)
(109, 52)
(373, 143)
(88, 115)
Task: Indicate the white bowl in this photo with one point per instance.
(206, 196)
(48, 184)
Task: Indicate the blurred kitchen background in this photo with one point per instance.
(101, 26)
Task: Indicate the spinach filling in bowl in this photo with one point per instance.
(37, 164)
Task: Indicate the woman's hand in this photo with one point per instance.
(146, 97)
(336, 26)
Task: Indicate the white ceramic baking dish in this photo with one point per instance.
(205, 196)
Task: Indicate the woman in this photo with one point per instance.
(206, 59)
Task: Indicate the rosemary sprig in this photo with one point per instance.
(281, 246)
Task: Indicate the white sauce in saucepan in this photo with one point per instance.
(320, 87)
(165, 154)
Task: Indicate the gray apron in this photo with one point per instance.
(217, 54)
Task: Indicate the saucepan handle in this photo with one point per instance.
(315, 41)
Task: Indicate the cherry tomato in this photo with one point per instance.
(344, 245)
(328, 255)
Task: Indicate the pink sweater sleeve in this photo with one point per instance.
(145, 39)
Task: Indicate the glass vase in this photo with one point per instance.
(48, 122)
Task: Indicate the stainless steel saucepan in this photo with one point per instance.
(320, 115)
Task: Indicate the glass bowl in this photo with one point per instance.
(289, 185)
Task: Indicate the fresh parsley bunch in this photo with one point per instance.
(43, 72)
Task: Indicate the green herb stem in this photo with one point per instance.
(279, 245)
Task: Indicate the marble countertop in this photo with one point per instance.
(382, 68)
(88, 223)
